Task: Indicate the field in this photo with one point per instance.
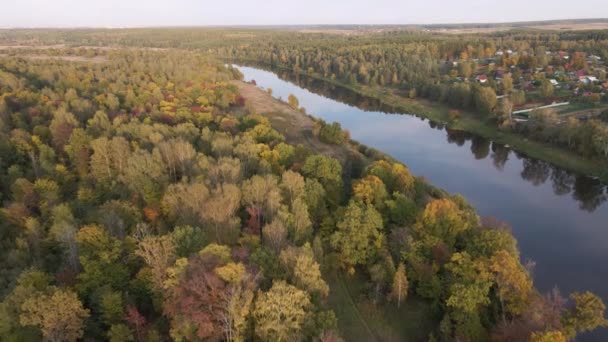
(361, 320)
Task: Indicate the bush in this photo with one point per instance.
(332, 134)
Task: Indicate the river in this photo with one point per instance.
(560, 219)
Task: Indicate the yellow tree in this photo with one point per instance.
(400, 285)
(60, 315)
(371, 190)
(281, 313)
(513, 282)
(159, 253)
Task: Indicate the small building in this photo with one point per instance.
(554, 82)
(605, 85)
(588, 79)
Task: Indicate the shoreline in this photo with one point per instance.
(468, 122)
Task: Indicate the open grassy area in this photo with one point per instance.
(360, 320)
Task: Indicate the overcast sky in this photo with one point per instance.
(119, 13)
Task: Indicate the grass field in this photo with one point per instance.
(360, 320)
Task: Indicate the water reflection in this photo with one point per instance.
(590, 193)
(500, 155)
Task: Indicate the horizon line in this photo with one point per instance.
(468, 23)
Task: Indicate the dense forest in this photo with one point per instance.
(143, 199)
(516, 67)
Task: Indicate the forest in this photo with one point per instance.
(144, 199)
(483, 78)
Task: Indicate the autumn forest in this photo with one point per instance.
(146, 195)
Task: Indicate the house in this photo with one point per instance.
(605, 85)
(481, 78)
(588, 79)
(499, 53)
(554, 82)
(563, 54)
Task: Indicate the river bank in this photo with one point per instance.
(470, 122)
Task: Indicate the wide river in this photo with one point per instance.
(560, 219)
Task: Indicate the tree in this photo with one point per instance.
(359, 235)
(188, 240)
(485, 100)
(518, 97)
(400, 285)
(586, 315)
(262, 194)
(395, 176)
(468, 291)
(293, 101)
(507, 84)
(275, 235)
(371, 190)
(158, 252)
(442, 221)
(100, 256)
(304, 269)
(120, 333)
(219, 211)
(292, 184)
(402, 210)
(328, 172)
(237, 305)
(514, 283)
(29, 284)
(546, 89)
(548, 336)
(61, 127)
(195, 304)
(504, 110)
(281, 313)
(59, 315)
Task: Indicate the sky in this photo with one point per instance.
(140, 13)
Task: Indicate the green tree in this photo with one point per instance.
(485, 100)
(328, 172)
(359, 235)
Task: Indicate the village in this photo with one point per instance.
(571, 82)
